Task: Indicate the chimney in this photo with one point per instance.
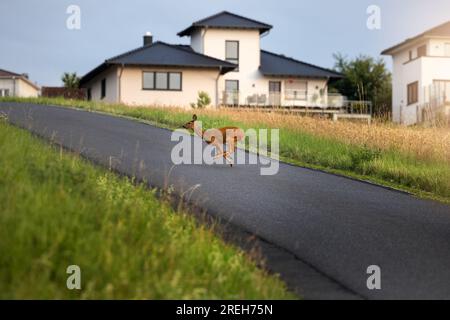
(148, 39)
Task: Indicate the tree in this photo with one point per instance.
(365, 79)
(70, 80)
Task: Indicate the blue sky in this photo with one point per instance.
(34, 37)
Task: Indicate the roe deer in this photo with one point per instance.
(228, 136)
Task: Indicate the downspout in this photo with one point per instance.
(14, 86)
(119, 85)
(203, 39)
(217, 86)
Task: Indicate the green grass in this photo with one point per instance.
(427, 178)
(57, 209)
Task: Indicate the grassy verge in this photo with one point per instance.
(416, 160)
(58, 210)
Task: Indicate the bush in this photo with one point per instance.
(203, 100)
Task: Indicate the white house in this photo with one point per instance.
(421, 76)
(16, 85)
(224, 59)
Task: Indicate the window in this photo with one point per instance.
(161, 81)
(296, 90)
(413, 93)
(148, 80)
(275, 93)
(89, 94)
(447, 50)
(232, 52)
(103, 93)
(442, 89)
(174, 81)
(4, 92)
(422, 51)
(232, 85)
(231, 92)
(410, 55)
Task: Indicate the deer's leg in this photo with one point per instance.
(231, 147)
(222, 154)
(219, 151)
(230, 151)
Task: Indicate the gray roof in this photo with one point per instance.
(277, 65)
(6, 73)
(9, 74)
(226, 20)
(160, 54)
(442, 30)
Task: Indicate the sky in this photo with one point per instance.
(34, 37)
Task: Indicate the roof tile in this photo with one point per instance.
(226, 20)
(273, 64)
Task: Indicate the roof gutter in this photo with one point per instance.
(265, 34)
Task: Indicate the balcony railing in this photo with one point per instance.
(294, 99)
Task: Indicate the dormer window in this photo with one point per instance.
(232, 52)
(422, 51)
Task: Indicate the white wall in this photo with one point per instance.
(439, 47)
(425, 70)
(249, 57)
(110, 75)
(434, 68)
(197, 41)
(193, 81)
(211, 42)
(405, 73)
(26, 90)
(8, 84)
(18, 87)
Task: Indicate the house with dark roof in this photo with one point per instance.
(421, 76)
(224, 59)
(17, 85)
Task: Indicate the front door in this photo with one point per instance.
(275, 93)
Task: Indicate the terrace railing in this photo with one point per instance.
(295, 99)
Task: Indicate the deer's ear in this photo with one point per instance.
(194, 117)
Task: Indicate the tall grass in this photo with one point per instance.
(58, 210)
(414, 159)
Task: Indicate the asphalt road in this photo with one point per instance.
(334, 227)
